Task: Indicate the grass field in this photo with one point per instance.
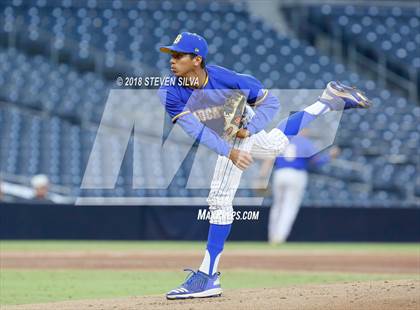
(27, 286)
(52, 245)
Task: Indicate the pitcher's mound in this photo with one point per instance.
(378, 295)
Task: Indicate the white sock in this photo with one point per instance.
(205, 265)
(318, 108)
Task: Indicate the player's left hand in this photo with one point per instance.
(242, 133)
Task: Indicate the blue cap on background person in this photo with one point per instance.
(187, 42)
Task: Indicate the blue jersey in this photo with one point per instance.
(299, 154)
(200, 111)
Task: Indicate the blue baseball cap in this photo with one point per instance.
(187, 42)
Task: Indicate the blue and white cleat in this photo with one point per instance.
(197, 285)
(338, 96)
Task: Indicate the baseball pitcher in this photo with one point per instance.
(227, 112)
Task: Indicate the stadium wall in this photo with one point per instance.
(23, 221)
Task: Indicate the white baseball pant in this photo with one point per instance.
(227, 176)
(288, 190)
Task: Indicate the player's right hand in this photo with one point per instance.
(240, 159)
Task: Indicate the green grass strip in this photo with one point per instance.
(38, 286)
(76, 245)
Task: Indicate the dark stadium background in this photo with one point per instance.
(59, 60)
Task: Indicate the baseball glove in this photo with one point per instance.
(233, 111)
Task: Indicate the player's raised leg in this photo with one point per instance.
(336, 97)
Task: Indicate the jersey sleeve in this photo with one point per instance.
(266, 105)
(255, 89)
(190, 124)
(319, 159)
(316, 158)
(170, 99)
(205, 135)
(250, 86)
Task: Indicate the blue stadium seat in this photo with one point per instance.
(57, 105)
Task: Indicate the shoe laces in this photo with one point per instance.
(194, 280)
(190, 275)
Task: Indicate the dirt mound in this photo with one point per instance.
(176, 260)
(377, 295)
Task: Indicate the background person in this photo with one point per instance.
(290, 178)
(40, 184)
